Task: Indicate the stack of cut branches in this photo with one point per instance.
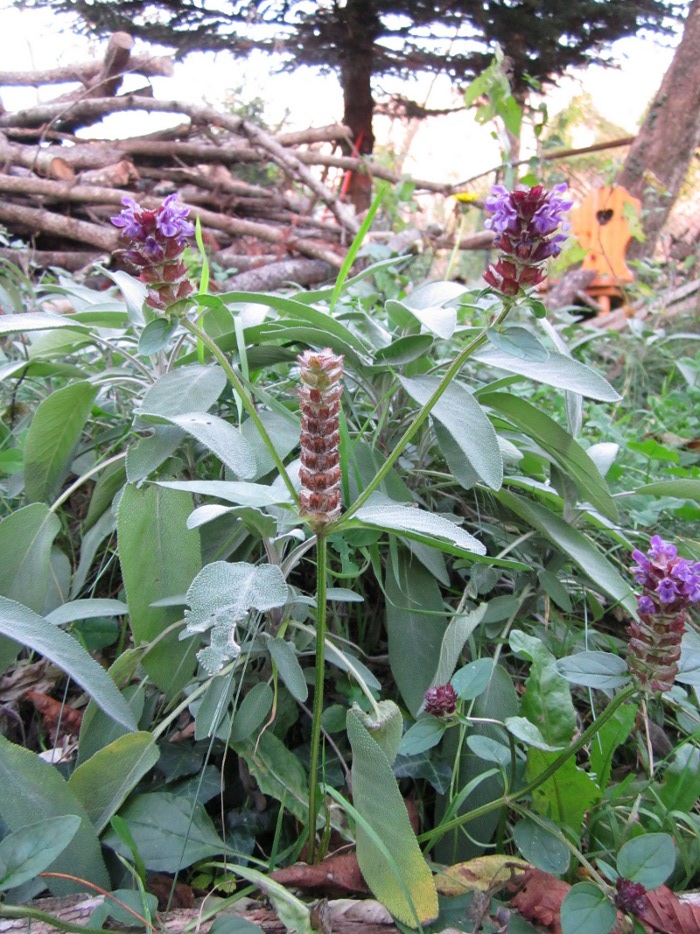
(268, 204)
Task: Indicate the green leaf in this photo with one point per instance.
(20, 623)
(26, 538)
(467, 424)
(35, 321)
(587, 910)
(547, 699)
(211, 710)
(221, 596)
(565, 796)
(252, 712)
(103, 782)
(33, 790)
(145, 904)
(222, 439)
(416, 626)
(285, 658)
(430, 304)
(559, 444)
(411, 897)
(170, 832)
(185, 389)
(488, 749)
(561, 371)
(472, 680)
(682, 489)
(611, 735)
(147, 454)
(278, 772)
(156, 334)
(521, 728)
(648, 859)
(159, 558)
(240, 492)
(30, 850)
(680, 789)
(53, 434)
(518, 342)
(579, 548)
(423, 735)
(543, 848)
(601, 670)
(404, 349)
(86, 609)
(382, 513)
(456, 634)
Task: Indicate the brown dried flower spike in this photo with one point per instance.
(321, 388)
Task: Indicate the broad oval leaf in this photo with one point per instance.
(33, 790)
(253, 710)
(240, 492)
(156, 335)
(103, 782)
(461, 415)
(528, 733)
(587, 910)
(290, 671)
(541, 847)
(52, 437)
(170, 832)
(185, 389)
(422, 736)
(30, 850)
(648, 859)
(561, 371)
(387, 850)
(473, 679)
(594, 670)
(20, 623)
(382, 513)
(221, 438)
(518, 342)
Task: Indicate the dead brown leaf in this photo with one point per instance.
(58, 716)
(667, 914)
(334, 875)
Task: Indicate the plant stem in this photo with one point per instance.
(422, 415)
(248, 404)
(321, 576)
(431, 837)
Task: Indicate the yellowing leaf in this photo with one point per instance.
(485, 873)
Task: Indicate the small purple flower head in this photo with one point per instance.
(526, 222)
(440, 700)
(630, 897)
(155, 240)
(670, 585)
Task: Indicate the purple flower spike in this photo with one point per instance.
(526, 222)
(669, 586)
(155, 240)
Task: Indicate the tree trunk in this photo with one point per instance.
(658, 160)
(356, 68)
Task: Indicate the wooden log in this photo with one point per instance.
(70, 260)
(39, 220)
(271, 276)
(149, 66)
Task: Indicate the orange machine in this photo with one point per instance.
(600, 226)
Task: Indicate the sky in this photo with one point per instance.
(29, 40)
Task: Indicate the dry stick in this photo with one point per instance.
(39, 219)
(288, 161)
(147, 65)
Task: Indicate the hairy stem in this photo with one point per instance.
(322, 555)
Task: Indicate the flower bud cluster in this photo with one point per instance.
(440, 700)
(320, 392)
(155, 241)
(526, 222)
(670, 585)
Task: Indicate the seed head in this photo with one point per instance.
(320, 392)
(440, 700)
